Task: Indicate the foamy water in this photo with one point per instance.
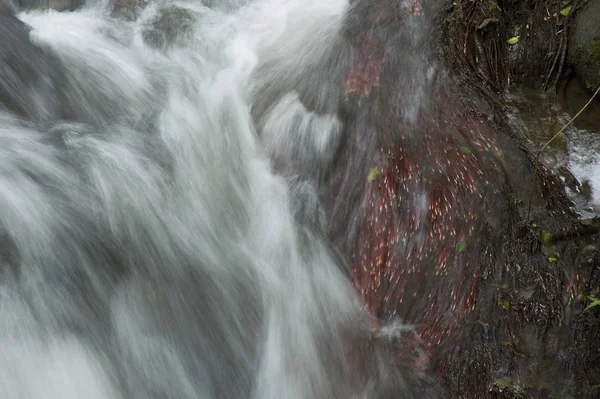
(151, 249)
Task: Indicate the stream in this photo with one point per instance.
(149, 249)
(245, 199)
(575, 154)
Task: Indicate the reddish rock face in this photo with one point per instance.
(410, 194)
(427, 200)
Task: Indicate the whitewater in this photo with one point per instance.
(157, 238)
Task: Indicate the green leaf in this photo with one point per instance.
(552, 259)
(513, 40)
(466, 150)
(515, 348)
(373, 174)
(545, 237)
(565, 11)
(595, 302)
(460, 247)
(502, 383)
(503, 304)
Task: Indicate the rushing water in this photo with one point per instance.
(148, 248)
(574, 154)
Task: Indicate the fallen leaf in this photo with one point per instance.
(595, 302)
(502, 383)
(373, 174)
(545, 237)
(566, 11)
(513, 40)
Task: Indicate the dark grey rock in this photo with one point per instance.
(58, 5)
(128, 9)
(584, 50)
(172, 24)
(29, 76)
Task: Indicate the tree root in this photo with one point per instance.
(577, 229)
(561, 53)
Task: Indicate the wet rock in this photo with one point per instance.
(225, 5)
(584, 51)
(5, 8)
(569, 179)
(587, 254)
(29, 76)
(172, 24)
(573, 96)
(58, 5)
(128, 9)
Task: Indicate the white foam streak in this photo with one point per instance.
(200, 275)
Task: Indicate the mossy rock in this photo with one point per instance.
(584, 51)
